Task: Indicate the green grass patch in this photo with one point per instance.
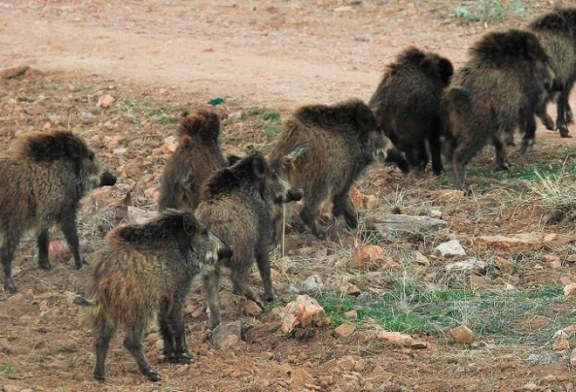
(490, 10)
(163, 116)
(271, 132)
(517, 172)
(273, 117)
(6, 368)
(498, 315)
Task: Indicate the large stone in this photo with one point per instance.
(522, 241)
(106, 100)
(404, 223)
(395, 337)
(461, 334)
(573, 358)
(570, 289)
(560, 341)
(470, 265)
(371, 257)
(344, 330)
(14, 72)
(228, 335)
(304, 311)
(449, 249)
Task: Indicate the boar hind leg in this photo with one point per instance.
(133, 342)
(211, 283)
(11, 241)
(70, 231)
(166, 331)
(43, 242)
(308, 215)
(342, 205)
(173, 333)
(101, 347)
(463, 153)
(501, 158)
(239, 277)
(263, 263)
(564, 113)
(436, 152)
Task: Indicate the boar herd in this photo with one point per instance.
(224, 212)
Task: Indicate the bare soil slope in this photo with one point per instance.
(265, 58)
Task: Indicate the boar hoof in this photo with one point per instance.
(268, 298)
(153, 375)
(320, 234)
(184, 358)
(45, 265)
(548, 124)
(211, 324)
(564, 132)
(98, 376)
(81, 264)
(9, 286)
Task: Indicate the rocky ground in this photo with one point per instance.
(120, 73)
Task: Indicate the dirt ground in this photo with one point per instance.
(159, 58)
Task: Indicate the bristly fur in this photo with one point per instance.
(560, 20)
(243, 171)
(431, 64)
(408, 105)
(202, 124)
(499, 48)
(351, 115)
(160, 229)
(50, 146)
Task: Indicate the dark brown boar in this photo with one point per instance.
(495, 92)
(323, 150)
(42, 182)
(239, 204)
(556, 32)
(408, 105)
(197, 156)
(143, 273)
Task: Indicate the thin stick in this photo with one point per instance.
(283, 228)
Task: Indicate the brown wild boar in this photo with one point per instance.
(239, 204)
(197, 157)
(556, 32)
(496, 91)
(408, 105)
(145, 272)
(42, 182)
(323, 150)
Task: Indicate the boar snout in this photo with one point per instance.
(107, 179)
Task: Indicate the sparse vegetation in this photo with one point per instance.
(498, 315)
(490, 10)
(514, 306)
(556, 191)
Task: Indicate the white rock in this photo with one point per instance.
(449, 249)
(305, 311)
(470, 265)
(312, 283)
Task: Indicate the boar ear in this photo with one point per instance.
(445, 70)
(532, 49)
(259, 165)
(189, 224)
(74, 147)
(364, 117)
